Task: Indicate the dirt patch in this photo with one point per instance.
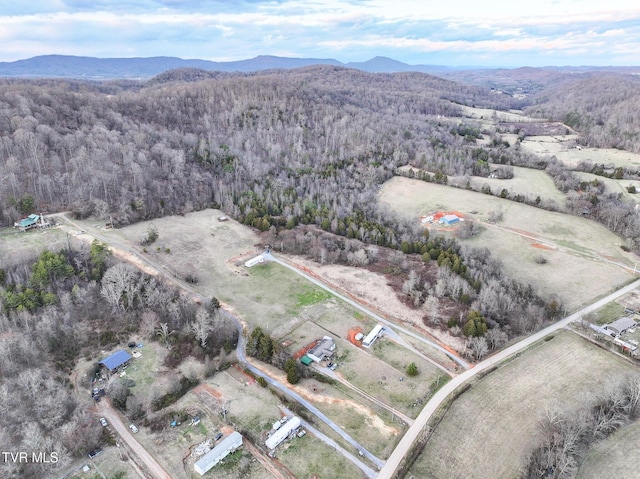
(374, 291)
(543, 246)
(351, 336)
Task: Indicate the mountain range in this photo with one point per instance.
(66, 66)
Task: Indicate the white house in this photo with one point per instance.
(229, 444)
(373, 335)
(254, 261)
(281, 434)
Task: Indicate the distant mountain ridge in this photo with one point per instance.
(66, 66)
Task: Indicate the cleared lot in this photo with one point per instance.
(491, 428)
(573, 246)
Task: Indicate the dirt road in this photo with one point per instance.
(154, 470)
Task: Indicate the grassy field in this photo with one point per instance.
(572, 246)
(491, 428)
(17, 244)
(527, 182)
(606, 156)
(616, 456)
(315, 460)
(614, 186)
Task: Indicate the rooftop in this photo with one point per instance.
(116, 360)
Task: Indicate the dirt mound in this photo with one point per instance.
(352, 333)
(302, 351)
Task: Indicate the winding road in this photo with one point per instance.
(154, 268)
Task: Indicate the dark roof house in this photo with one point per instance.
(116, 360)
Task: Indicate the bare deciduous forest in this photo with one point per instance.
(299, 154)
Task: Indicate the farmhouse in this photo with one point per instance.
(325, 349)
(619, 326)
(116, 360)
(254, 261)
(448, 220)
(373, 335)
(229, 444)
(31, 221)
(281, 434)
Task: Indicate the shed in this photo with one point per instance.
(116, 360)
(229, 444)
(306, 360)
(449, 220)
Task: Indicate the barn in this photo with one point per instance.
(116, 360)
(449, 220)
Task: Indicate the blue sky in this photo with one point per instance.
(454, 32)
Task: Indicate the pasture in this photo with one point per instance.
(616, 456)
(614, 186)
(491, 428)
(527, 182)
(574, 248)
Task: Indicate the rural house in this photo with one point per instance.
(116, 360)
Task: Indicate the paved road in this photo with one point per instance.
(242, 359)
(414, 431)
(116, 424)
(154, 267)
(269, 256)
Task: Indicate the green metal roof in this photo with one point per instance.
(306, 360)
(29, 220)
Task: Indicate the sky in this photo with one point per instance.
(495, 33)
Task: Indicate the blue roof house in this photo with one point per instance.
(116, 360)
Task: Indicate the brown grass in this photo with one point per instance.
(490, 429)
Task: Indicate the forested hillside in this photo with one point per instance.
(604, 108)
(277, 143)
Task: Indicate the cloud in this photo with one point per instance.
(415, 32)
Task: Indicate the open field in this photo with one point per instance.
(15, 243)
(607, 156)
(491, 428)
(616, 456)
(490, 114)
(376, 371)
(614, 186)
(574, 247)
(527, 182)
(548, 145)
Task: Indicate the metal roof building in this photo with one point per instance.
(324, 349)
(116, 360)
(373, 335)
(229, 444)
(619, 326)
(283, 433)
(449, 220)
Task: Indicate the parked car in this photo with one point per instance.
(218, 436)
(134, 428)
(103, 421)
